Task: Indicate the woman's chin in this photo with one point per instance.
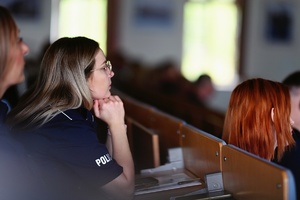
(103, 96)
(108, 93)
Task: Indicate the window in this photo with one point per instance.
(210, 41)
(84, 18)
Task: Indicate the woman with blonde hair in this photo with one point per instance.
(17, 179)
(258, 118)
(55, 121)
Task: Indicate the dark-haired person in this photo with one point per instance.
(201, 90)
(291, 159)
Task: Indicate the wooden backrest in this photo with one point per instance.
(247, 176)
(144, 145)
(168, 128)
(201, 151)
(206, 119)
(165, 125)
(137, 110)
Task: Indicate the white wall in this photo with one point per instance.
(151, 44)
(155, 44)
(36, 32)
(266, 59)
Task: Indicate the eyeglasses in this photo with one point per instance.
(108, 65)
(107, 68)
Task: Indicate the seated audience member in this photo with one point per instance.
(16, 177)
(258, 118)
(201, 90)
(56, 117)
(291, 159)
(169, 80)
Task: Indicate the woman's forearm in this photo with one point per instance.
(121, 150)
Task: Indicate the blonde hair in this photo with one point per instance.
(8, 34)
(61, 84)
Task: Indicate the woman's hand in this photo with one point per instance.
(110, 110)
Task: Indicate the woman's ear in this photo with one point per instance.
(272, 114)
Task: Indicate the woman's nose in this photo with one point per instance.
(25, 48)
(111, 74)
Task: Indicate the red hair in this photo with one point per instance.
(248, 122)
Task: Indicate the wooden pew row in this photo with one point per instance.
(244, 175)
(202, 155)
(202, 152)
(169, 130)
(144, 145)
(166, 126)
(209, 120)
(141, 112)
(247, 176)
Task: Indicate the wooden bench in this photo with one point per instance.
(144, 145)
(202, 152)
(206, 119)
(201, 117)
(247, 176)
(165, 125)
(168, 128)
(141, 112)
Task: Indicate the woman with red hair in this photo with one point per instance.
(258, 118)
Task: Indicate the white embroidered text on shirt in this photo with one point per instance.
(103, 159)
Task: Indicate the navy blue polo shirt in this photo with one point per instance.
(69, 157)
(17, 181)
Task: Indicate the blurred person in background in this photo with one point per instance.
(201, 91)
(291, 159)
(17, 180)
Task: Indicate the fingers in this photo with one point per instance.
(113, 99)
(118, 98)
(99, 103)
(110, 110)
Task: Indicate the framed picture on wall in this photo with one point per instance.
(23, 9)
(153, 13)
(279, 21)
